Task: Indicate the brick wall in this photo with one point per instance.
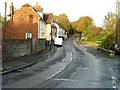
(41, 44)
(15, 48)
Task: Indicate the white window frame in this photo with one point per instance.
(28, 35)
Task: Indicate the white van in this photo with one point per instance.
(58, 41)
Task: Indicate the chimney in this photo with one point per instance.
(36, 3)
(11, 10)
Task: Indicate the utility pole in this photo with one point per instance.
(5, 20)
(117, 19)
(118, 30)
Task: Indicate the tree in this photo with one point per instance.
(55, 18)
(1, 21)
(73, 27)
(110, 23)
(84, 23)
(1, 26)
(109, 32)
(64, 22)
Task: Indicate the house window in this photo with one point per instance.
(28, 35)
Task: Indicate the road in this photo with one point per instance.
(72, 66)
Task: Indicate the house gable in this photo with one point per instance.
(25, 11)
(24, 20)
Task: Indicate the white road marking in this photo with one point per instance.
(56, 73)
(71, 56)
(62, 79)
(114, 82)
(63, 67)
(82, 68)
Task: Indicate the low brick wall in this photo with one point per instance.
(15, 48)
(41, 44)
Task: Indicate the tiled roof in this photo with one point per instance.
(35, 8)
(38, 8)
(26, 5)
(48, 17)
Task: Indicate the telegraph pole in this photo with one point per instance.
(5, 20)
(118, 21)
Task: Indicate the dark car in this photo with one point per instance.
(116, 48)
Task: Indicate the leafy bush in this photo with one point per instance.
(108, 41)
(94, 38)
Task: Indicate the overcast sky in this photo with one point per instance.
(74, 9)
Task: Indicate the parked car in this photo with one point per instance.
(116, 48)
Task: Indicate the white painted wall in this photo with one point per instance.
(40, 14)
(41, 29)
(48, 32)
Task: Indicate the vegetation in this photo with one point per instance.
(1, 21)
(86, 30)
(1, 24)
(63, 21)
(109, 32)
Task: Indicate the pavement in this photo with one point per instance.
(17, 64)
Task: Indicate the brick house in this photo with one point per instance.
(24, 22)
(28, 22)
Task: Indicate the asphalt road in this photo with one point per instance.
(72, 66)
(112, 63)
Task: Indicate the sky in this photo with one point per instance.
(74, 9)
